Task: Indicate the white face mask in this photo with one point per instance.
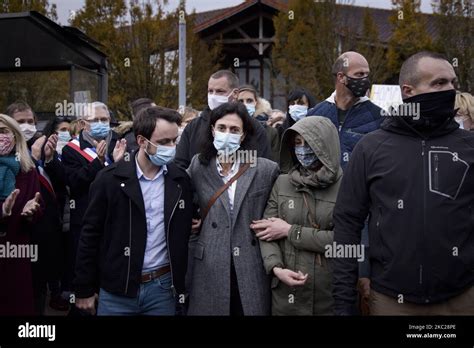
(215, 101)
(28, 130)
(297, 112)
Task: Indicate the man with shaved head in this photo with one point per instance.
(348, 107)
(415, 179)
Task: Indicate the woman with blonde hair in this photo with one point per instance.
(20, 202)
(465, 110)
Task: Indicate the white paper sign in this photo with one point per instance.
(386, 96)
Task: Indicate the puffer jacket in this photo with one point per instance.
(362, 118)
(304, 248)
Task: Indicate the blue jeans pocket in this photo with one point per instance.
(164, 282)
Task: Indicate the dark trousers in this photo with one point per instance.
(235, 302)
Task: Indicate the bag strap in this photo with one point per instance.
(221, 190)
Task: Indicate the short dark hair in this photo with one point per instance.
(144, 123)
(409, 69)
(53, 123)
(139, 104)
(208, 151)
(18, 106)
(232, 78)
(298, 93)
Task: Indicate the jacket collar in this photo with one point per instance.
(126, 171)
(206, 114)
(243, 185)
(332, 99)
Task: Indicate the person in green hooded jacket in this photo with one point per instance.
(297, 227)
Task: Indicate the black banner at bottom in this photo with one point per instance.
(415, 331)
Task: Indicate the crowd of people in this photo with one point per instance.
(329, 207)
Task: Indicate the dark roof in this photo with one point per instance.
(41, 44)
(207, 19)
(350, 16)
(353, 16)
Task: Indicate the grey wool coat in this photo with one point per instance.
(225, 234)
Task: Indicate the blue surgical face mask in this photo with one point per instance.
(163, 154)
(305, 155)
(297, 112)
(99, 130)
(226, 142)
(64, 136)
(250, 109)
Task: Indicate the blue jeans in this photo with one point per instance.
(154, 298)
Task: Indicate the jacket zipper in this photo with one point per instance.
(436, 174)
(129, 243)
(382, 244)
(168, 238)
(423, 286)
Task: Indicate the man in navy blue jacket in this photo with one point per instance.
(348, 107)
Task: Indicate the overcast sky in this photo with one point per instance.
(65, 6)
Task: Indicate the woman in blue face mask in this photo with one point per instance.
(260, 109)
(61, 126)
(298, 228)
(299, 102)
(232, 186)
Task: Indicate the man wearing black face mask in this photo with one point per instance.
(353, 114)
(415, 177)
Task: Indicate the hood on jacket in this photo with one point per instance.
(123, 127)
(322, 136)
(263, 107)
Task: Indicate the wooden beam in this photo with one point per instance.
(247, 41)
(232, 26)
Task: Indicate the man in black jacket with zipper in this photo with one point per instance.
(134, 240)
(222, 88)
(415, 177)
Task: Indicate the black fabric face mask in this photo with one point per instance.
(358, 86)
(435, 109)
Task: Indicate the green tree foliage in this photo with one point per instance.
(306, 45)
(409, 34)
(455, 24)
(41, 6)
(370, 47)
(141, 41)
